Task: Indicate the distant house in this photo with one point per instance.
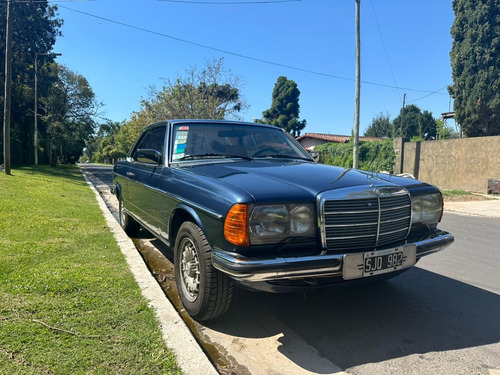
(311, 140)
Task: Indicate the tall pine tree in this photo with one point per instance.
(284, 111)
(475, 62)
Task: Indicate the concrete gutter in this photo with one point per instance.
(176, 334)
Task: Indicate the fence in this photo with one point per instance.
(462, 164)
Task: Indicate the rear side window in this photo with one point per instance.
(151, 140)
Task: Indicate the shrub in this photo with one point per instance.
(373, 156)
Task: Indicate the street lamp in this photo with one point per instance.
(36, 99)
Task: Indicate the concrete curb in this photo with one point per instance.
(176, 334)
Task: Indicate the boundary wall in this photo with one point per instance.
(462, 164)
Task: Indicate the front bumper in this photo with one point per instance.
(247, 269)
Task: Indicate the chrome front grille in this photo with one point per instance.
(365, 223)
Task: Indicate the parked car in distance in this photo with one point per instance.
(244, 204)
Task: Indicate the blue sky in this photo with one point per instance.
(405, 48)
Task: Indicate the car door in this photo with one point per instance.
(144, 175)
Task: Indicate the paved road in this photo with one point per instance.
(441, 317)
(102, 172)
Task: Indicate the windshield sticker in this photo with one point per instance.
(180, 142)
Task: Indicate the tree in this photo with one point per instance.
(284, 111)
(102, 147)
(210, 93)
(70, 109)
(444, 131)
(35, 28)
(415, 123)
(475, 62)
(380, 126)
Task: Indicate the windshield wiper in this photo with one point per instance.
(284, 156)
(210, 155)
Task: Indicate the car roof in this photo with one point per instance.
(209, 122)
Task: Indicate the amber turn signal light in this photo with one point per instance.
(236, 225)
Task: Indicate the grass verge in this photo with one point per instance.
(455, 193)
(68, 303)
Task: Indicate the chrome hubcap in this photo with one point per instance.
(190, 269)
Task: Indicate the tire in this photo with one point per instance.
(205, 292)
(128, 224)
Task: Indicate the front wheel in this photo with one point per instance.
(205, 292)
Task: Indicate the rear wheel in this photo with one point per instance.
(129, 225)
(204, 291)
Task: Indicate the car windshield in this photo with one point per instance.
(200, 141)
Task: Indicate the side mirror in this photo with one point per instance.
(147, 155)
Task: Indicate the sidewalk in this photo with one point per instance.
(489, 208)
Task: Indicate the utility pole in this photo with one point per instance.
(8, 84)
(358, 87)
(402, 149)
(36, 110)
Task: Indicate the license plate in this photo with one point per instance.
(378, 262)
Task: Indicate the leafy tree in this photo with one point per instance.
(475, 62)
(284, 111)
(210, 93)
(444, 131)
(102, 147)
(380, 126)
(35, 28)
(415, 123)
(70, 108)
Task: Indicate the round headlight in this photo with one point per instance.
(301, 219)
(417, 210)
(431, 208)
(268, 221)
(427, 208)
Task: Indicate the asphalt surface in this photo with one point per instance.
(440, 317)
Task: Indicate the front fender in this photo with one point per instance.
(180, 214)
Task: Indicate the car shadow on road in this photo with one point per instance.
(417, 312)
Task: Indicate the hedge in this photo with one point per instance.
(373, 156)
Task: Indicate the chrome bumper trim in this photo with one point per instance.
(328, 265)
(434, 244)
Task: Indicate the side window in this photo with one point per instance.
(152, 140)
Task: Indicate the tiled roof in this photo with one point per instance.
(333, 138)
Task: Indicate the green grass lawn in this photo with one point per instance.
(68, 303)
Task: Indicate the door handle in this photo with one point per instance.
(130, 174)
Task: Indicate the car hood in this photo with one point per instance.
(278, 180)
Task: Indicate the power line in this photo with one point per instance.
(385, 49)
(241, 55)
(47, 1)
(230, 2)
(434, 92)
